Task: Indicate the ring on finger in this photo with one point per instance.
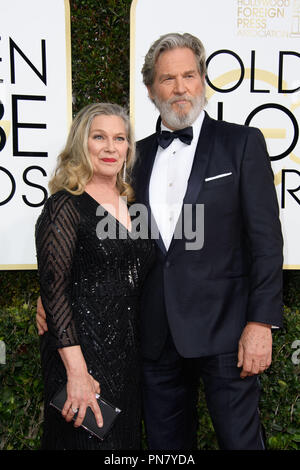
(74, 410)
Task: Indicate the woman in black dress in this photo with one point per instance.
(90, 281)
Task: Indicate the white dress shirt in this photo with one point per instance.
(169, 179)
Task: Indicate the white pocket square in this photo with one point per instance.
(218, 176)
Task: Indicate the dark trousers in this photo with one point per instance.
(170, 397)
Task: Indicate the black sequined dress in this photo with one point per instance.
(90, 290)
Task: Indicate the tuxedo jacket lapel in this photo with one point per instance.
(144, 180)
(200, 162)
(198, 171)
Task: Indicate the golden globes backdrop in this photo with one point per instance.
(35, 114)
(253, 78)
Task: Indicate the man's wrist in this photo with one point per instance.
(267, 325)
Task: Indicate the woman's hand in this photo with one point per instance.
(81, 393)
(81, 387)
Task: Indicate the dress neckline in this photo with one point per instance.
(117, 220)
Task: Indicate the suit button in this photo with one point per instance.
(167, 264)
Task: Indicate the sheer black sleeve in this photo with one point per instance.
(56, 239)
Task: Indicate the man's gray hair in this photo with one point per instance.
(168, 42)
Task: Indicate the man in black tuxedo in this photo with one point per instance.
(207, 310)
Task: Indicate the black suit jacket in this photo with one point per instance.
(206, 296)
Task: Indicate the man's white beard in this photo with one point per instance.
(176, 120)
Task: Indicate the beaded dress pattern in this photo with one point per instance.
(90, 290)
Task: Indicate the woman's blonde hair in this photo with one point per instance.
(74, 168)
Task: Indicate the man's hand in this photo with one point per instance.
(255, 349)
(40, 318)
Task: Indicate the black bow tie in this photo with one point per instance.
(166, 137)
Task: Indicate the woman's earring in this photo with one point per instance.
(124, 170)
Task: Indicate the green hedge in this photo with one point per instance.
(20, 380)
(100, 64)
(100, 51)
